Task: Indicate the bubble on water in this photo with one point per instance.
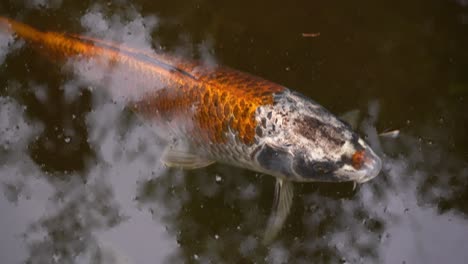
(67, 139)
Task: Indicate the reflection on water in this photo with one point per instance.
(81, 180)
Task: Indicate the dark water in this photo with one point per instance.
(81, 180)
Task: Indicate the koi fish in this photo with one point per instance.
(218, 114)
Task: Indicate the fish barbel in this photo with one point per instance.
(218, 114)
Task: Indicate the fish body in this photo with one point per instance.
(218, 114)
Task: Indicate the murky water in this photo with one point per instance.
(81, 180)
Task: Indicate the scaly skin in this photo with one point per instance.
(218, 100)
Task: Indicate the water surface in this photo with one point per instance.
(81, 180)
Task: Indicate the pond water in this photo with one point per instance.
(80, 176)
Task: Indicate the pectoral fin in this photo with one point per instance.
(284, 193)
(351, 117)
(390, 134)
(177, 156)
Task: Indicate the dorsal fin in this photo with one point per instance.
(214, 75)
(134, 53)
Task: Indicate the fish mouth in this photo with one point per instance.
(370, 168)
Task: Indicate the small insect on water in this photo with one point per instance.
(218, 114)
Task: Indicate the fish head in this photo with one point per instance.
(302, 141)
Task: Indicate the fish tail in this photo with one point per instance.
(21, 30)
(53, 44)
(62, 46)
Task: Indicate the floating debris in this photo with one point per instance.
(218, 179)
(311, 35)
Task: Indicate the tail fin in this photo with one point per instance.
(22, 30)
